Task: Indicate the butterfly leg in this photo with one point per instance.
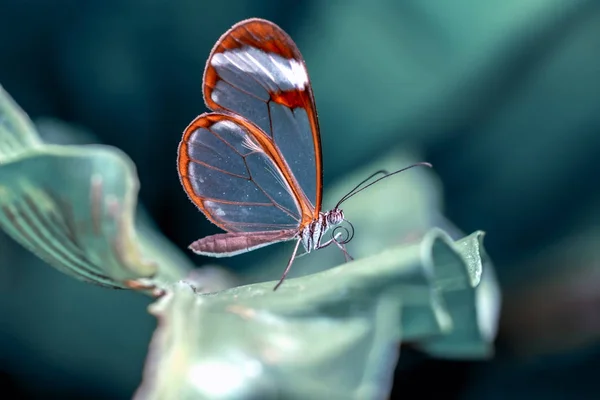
(301, 254)
(289, 265)
(341, 246)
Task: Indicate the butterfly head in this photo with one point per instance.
(342, 234)
(335, 217)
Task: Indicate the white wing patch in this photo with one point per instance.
(272, 71)
(294, 72)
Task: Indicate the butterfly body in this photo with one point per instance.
(311, 237)
(313, 233)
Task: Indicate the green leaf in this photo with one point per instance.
(17, 133)
(332, 334)
(74, 207)
(473, 299)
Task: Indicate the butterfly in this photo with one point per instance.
(253, 165)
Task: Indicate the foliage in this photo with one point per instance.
(332, 333)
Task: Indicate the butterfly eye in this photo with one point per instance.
(335, 217)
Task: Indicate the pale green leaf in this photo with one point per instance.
(74, 207)
(333, 334)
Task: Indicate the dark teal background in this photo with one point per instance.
(503, 97)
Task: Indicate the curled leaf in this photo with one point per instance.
(332, 334)
(74, 206)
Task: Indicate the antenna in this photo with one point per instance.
(357, 189)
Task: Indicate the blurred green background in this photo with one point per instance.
(503, 97)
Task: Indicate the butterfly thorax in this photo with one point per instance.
(312, 234)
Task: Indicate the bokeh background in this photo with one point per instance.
(503, 97)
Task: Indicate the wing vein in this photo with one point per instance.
(216, 169)
(275, 203)
(241, 203)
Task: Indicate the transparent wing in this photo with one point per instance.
(232, 178)
(256, 71)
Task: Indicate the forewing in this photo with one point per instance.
(226, 172)
(255, 70)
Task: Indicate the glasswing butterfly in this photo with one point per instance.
(253, 166)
